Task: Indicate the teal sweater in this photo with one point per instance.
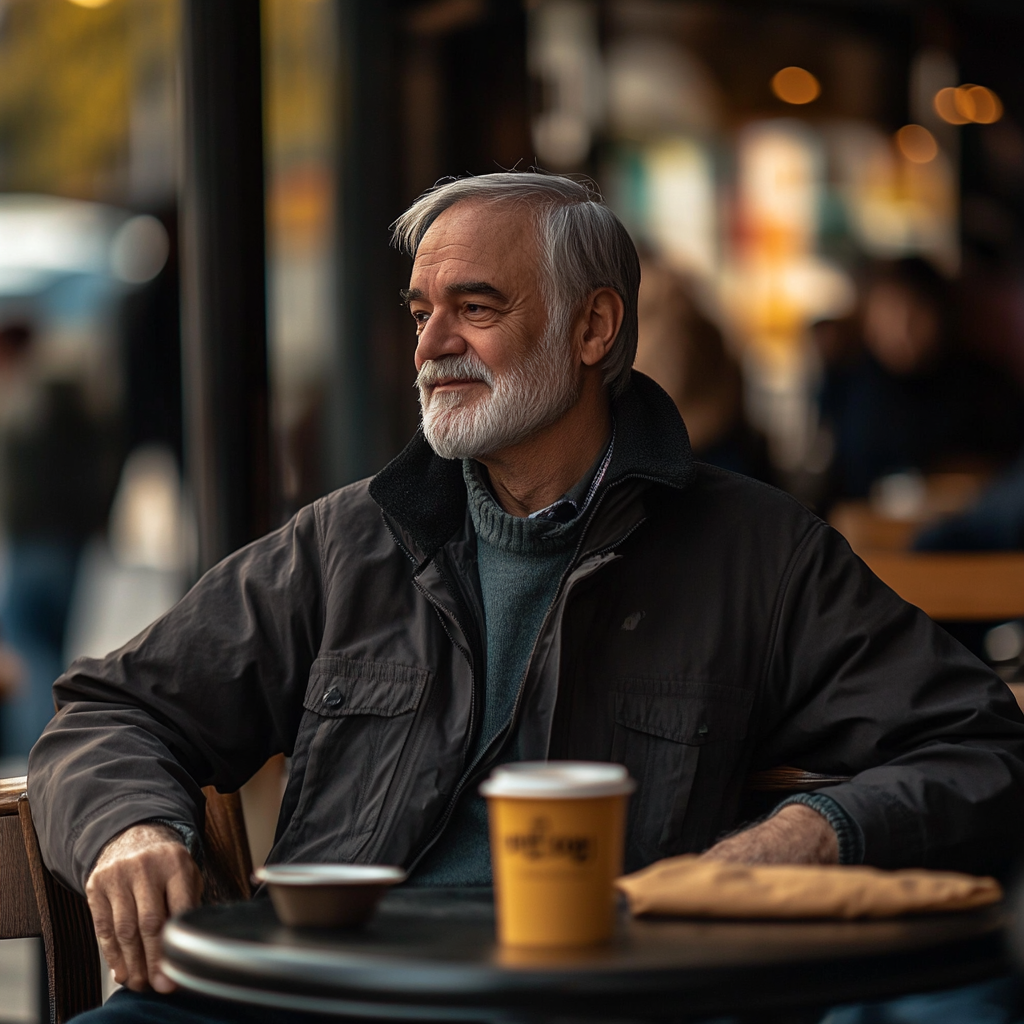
(520, 562)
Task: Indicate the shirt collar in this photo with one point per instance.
(570, 506)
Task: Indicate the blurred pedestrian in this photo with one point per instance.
(55, 484)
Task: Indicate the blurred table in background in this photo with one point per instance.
(901, 505)
(986, 587)
(954, 587)
(950, 587)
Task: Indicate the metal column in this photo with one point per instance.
(227, 433)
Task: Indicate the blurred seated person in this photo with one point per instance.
(686, 354)
(908, 398)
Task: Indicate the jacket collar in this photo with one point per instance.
(426, 495)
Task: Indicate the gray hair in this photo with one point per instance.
(585, 246)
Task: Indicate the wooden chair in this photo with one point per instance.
(791, 780)
(34, 904)
(764, 789)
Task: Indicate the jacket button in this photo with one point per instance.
(703, 730)
(333, 698)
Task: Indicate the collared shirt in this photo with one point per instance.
(575, 502)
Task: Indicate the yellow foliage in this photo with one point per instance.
(66, 78)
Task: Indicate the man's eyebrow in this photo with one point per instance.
(475, 288)
(408, 295)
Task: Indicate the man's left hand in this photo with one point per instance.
(796, 835)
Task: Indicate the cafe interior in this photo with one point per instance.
(828, 201)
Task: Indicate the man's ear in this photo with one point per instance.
(602, 317)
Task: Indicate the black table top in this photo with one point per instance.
(432, 954)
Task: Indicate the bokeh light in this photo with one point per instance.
(139, 249)
(946, 106)
(917, 144)
(981, 105)
(968, 104)
(795, 85)
(90, 3)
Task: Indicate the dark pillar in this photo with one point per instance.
(371, 408)
(227, 436)
(425, 90)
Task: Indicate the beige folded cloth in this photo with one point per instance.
(691, 887)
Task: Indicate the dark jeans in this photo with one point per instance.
(33, 616)
(992, 1002)
(125, 1007)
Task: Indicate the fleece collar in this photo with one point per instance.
(426, 495)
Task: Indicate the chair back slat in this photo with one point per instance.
(227, 865)
(69, 941)
(19, 915)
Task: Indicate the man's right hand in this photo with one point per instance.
(142, 877)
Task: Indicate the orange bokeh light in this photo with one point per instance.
(795, 85)
(917, 144)
(968, 104)
(981, 105)
(946, 106)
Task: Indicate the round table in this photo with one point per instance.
(431, 954)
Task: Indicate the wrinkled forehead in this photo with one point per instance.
(494, 236)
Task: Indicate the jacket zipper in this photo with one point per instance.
(442, 614)
(468, 775)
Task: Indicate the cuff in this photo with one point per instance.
(848, 832)
(186, 833)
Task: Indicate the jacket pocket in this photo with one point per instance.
(660, 729)
(339, 687)
(359, 715)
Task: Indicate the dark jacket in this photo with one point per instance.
(708, 625)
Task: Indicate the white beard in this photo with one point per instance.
(539, 391)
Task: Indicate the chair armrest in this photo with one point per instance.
(790, 780)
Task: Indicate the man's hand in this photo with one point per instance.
(796, 835)
(142, 877)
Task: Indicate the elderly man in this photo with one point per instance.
(544, 572)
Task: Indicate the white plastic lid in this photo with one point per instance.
(330, 874)
(558, 780)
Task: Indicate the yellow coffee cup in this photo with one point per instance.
(557, 834)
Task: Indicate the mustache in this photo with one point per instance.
(466, 365)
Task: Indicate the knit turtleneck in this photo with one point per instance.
(521, 562)
(513, 535)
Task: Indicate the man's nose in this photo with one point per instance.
(439, 337)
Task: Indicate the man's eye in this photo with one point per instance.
(421, 317)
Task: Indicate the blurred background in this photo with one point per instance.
(199, 325)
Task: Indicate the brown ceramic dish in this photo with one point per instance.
(327, 895)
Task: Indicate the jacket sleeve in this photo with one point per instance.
(861, 683)
(203, 696)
